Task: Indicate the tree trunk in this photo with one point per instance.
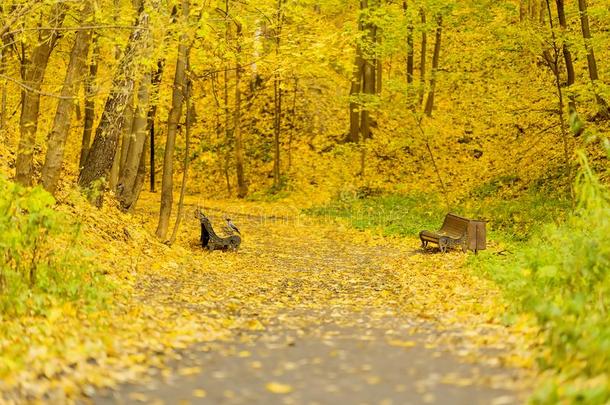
(369, 80)
(277, 101)
(560, 102)
(90, 91)
(422, 60)
(356, 89)
(242, 187)
(152, 114)
(187, 137)
(167, 181)
(101, 155)
(409, 47)
(127, 181)
(567, 55)
(30, 106)
(603, 112)
(63, 116)
(3, 94)
(435, 60)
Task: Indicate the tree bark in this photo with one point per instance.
(435, 61)
(422, 60)
(604, 111)
(356, 89)
(127, 191)
(277, 111)
(152, 114)
(30, 105)
(567, 55)
(409, 47)
(101, 154)
(4, 91)
(187, 138)
(63, 117)
(167, 181)
(242, 187)
(90, 90)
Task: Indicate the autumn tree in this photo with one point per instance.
(33, 70)
(167, 185)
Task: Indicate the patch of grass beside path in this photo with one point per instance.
(552, 265)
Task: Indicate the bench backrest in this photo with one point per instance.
(454, 226)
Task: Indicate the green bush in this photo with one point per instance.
(562, 277)
(41, 262)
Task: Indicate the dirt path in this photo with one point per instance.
(321, 315)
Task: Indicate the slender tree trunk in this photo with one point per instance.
(128, 133)
(567, 55)
(30, 106)
(560, 102)
(293, 122)
(4, 91)
(101, 154)
(435, 61)
(152, 114)
(409, 47)
(63, 117)
(368, 74)
(277, 91)
(242, 187)
(187, 137)
(422, 60)
(167, 182)
(90, 90)
(604, 111)
(356, 89)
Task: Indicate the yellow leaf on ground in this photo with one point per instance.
(278, 388)
(186, 371)
(199, 393)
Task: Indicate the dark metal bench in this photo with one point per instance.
(211, 241)
(454, 232)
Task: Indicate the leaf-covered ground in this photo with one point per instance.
(366, 313)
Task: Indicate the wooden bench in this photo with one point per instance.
(210, 240)
(454, 232)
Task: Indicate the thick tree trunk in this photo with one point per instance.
(63, 117)
(435, 61)
(30, 106)
(242, 187)
(90, 91)
(604, 111)
(101, 155)
(167, 181)
(127, 181)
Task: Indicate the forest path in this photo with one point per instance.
(318, 313)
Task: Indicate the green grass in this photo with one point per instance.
(402, 215)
